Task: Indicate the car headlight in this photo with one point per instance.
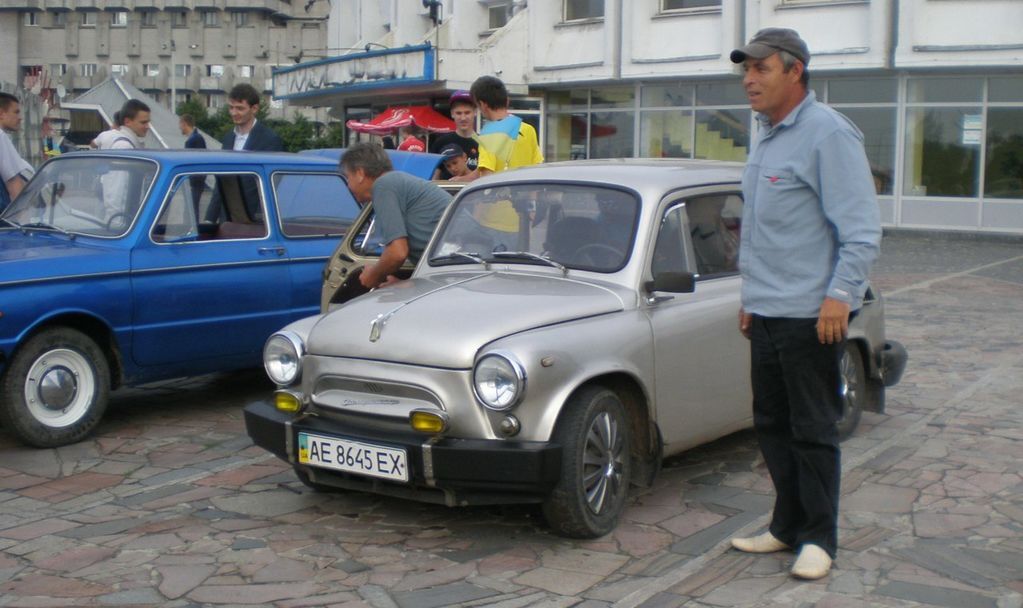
(282, 357)
(499, 381)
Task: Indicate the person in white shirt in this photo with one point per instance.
(134, 127)
(104, 139)
(14, 171)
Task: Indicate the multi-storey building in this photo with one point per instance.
(171, 49)
(936, 86)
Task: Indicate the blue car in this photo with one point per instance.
(123, 268)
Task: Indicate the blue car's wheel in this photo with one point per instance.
(56, 388)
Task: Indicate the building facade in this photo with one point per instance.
(172, 50)
(936, 86)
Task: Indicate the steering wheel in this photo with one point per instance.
(118, 217)
(595, 253)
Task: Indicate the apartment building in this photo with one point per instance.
(936, 86)
(170, 49)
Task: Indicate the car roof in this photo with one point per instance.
(637, 173)
(180, 156)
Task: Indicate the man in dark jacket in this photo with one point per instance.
(248, 133)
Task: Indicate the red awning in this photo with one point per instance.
(391, 119)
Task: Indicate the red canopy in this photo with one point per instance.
(391, 119)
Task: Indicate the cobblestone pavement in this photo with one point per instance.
(171, 505)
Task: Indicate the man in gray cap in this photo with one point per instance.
(810, 232)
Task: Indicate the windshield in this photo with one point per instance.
(88, 195)
(582, 227)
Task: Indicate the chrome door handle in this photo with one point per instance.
(278, 251)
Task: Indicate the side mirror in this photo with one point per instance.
(672, 282)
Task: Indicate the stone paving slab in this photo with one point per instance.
(170, 505)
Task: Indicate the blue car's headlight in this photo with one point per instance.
(499, 381)
(282, 357)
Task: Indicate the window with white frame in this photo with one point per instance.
(681, 5)
(211, 18)
(179, 19)
(89, 19)
(246, 71)
(498, 15)
(119, 19)
(119, 69)
(182, 70)
(150, 69)
(576, 10)
(87, 69)
(58, 69)
(30, 18)
(215, 101)
(240, 18)
(147, 18)
(214, 69)
(58, 18)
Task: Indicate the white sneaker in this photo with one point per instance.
(813, 563)
(764, 543)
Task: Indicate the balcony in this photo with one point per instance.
(217, 84)
(160, 82)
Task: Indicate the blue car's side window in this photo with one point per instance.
(212, 207)
(314, 204)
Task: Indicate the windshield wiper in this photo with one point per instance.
(453, 257)
(528, 255)
(45, 226)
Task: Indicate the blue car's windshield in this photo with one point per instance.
(84, 194)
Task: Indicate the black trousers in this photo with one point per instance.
(796, 404)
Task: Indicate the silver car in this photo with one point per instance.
(569, 326)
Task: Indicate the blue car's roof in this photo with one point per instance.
(419, 164)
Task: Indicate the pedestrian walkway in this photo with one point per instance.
(170, 505)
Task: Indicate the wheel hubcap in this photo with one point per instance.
(57, 388)
(602, 463)
(60, 387)
(850, 391)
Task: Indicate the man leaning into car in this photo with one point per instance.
(810, 232)
(407, 208)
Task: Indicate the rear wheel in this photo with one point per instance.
(854, 390)
(595, 436)
(56, 388)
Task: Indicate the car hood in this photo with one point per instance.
(39, 255)
(443, 320)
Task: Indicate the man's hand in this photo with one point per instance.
(745, 323)
(833, 321)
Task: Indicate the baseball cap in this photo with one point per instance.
(462, 96)
(769, 41)
(451, 150)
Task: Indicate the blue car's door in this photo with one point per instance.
(210, 280)
(315, 211)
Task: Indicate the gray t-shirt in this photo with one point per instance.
(407, 206)
(11, 163)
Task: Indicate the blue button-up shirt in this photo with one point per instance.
(811, 227)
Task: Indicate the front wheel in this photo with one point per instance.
(56, 388)
(595, 436)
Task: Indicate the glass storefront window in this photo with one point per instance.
(663, 96)
(942, 152)
(566, 137)
(1009, 88)
(944, 90)
(722, 93)
(666, 134)
(617, 97)
(878, 127)
(722, 134)
(1003, 173)
(862, 90)
(611, 134)
(574, 98)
